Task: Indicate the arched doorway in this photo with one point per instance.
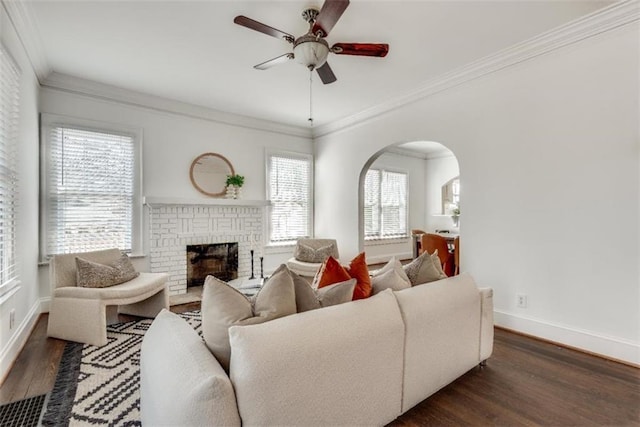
(407, 186)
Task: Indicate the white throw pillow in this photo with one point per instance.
(391, 276)
(424, 269)
(223, 306)
(308, 298)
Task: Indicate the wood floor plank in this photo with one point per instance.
(526, 382)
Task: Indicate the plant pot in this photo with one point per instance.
(233, 192)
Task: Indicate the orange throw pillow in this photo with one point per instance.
(332, 272)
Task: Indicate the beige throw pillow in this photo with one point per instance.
(306, 253)
(308, 298)
(391, 276)
(424, 269)
(223, 306)
(91, 274)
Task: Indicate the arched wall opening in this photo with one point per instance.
(426, 170)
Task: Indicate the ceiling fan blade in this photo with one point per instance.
(326, 74)
(331, 11)
(275, 61)
(259, 26)
(361, 49)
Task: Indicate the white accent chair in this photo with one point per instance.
(309, 255)
(80, 314)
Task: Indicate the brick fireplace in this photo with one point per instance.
(174, 225)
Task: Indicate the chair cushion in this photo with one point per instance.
(97, 275)
(223, 306)
(306, 269)
(144, 283)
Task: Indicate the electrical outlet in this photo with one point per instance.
(12, 318)
(522, 300)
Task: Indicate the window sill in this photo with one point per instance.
(386, 241)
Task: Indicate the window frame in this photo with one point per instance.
(380, 237)
(9, 263)
(47, 123)
(269, 153)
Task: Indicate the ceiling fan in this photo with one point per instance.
(311, 49)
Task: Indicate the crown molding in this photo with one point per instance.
(593, 24)
(101, 91)
(21, 17)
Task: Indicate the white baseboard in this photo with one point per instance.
(606, 346)
(18, 340)
(44, 304)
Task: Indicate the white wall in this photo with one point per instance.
(382, 250)
(439, 171)
(26, 301)
(549, 157)
(171, 142)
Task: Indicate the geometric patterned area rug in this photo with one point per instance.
(101, 385)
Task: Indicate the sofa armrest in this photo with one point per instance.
(181, 382)
(486, 323)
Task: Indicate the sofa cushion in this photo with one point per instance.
(223, 306)
(339, 365)
(332, 272)
(450, 345)
(391, 276)
(92, 274)
(308, 298)
(181, 383)
(424, 269)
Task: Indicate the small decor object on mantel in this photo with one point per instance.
(234, 184)
(455, 217)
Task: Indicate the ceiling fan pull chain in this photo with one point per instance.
(311, 97)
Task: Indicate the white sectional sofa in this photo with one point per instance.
(359, 363)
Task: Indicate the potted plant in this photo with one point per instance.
(455, 216)
(234, 183)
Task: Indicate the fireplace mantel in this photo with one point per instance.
(181, 201)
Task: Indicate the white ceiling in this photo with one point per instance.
(191, 51)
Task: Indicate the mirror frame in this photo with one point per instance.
(198, 187)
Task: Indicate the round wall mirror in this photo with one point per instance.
(209, 174)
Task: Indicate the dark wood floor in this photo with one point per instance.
(526, 382)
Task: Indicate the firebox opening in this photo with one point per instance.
(216, 259)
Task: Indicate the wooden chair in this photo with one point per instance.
(432, 242)
(456, 255)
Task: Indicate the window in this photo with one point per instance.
(91, 188)
(289, 189)
(9, 116)
(451, 196)
(385, 204)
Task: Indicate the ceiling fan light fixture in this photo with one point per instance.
(311, 51)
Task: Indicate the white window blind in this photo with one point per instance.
(290, 191)
(9, 117)
(90, 190)
(385, 204)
